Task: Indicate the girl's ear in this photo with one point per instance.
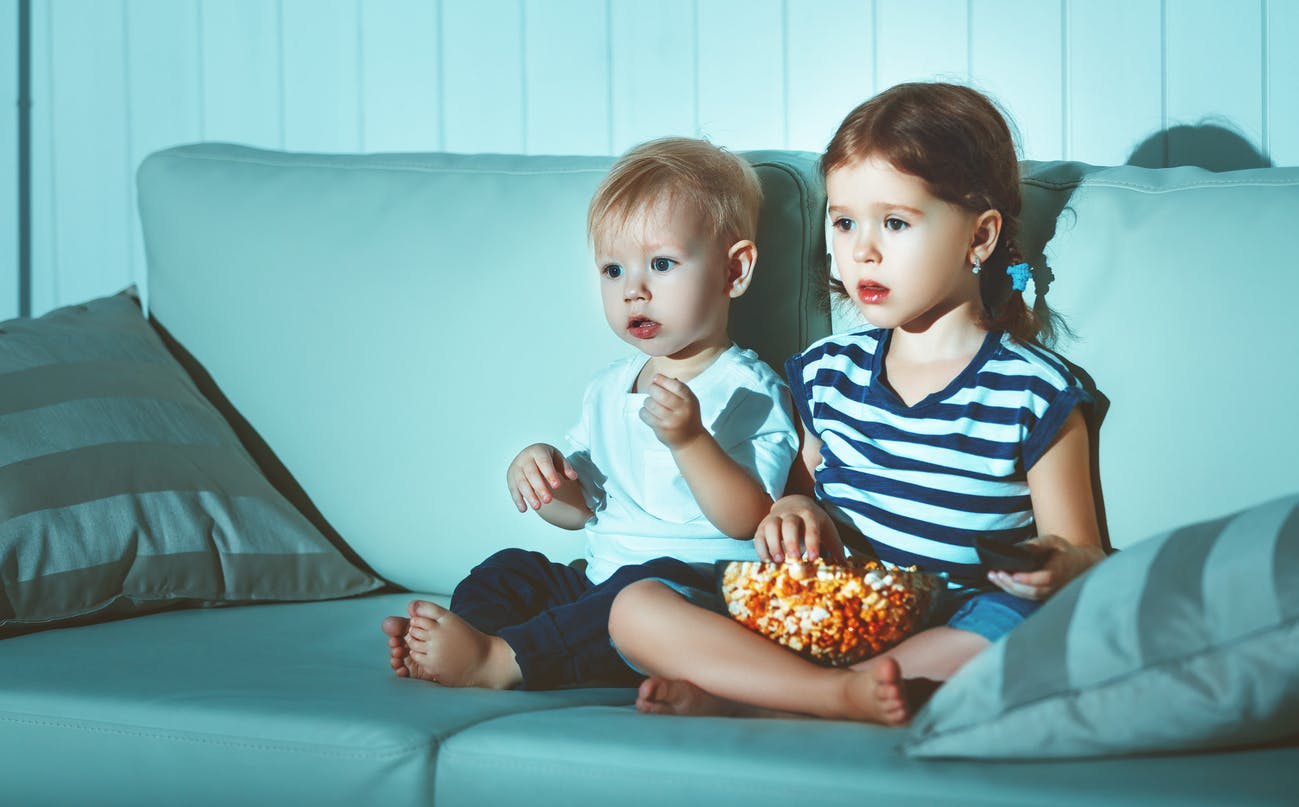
(740, 260)
(987, 229)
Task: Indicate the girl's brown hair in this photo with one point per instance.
(956, 141)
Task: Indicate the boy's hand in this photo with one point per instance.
(1064, 562)
(534, 472)
(672, 411)
(797, 525)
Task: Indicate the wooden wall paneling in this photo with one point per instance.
(482, 82)
(165, 107)
(1213, 76)
(831, 66)
(742, 73)
(1282, 82)
(322, 72)
(9, 161)
(653, 64)
(1017, 56)
(241, 72)
(401, 92)
(87, 140)
(566, 77)
(921, 40)
(1114, 78)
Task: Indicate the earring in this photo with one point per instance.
(978, 265)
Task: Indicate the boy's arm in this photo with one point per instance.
(728, 494)
(541, 477)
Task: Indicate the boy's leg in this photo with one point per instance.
(509, 587)
(663, 634)
(568, 644)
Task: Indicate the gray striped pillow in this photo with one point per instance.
(1188, 640)
(122, 490)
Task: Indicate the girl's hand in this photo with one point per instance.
(1064, 562)
(797, 525)
(672, 411)
(534, 472)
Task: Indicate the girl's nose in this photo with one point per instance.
(863, 248)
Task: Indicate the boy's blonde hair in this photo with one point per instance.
(721, 186)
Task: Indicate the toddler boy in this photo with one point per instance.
(678, 453)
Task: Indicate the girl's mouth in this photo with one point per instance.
(642, 328)
(872, 293)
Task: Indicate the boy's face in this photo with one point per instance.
(666, 282)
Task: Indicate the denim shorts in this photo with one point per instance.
(991, 614)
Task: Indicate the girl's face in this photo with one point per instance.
(903, 254)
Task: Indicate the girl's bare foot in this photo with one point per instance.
(873, 693)
(666, 696)
(447, 650)
(395, 628)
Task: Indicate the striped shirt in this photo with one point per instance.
(920, 482)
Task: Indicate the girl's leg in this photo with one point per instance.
(936, 653)
(666, 636)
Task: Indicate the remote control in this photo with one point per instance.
(1002, 557)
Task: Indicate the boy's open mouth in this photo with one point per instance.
(642, 327)
(871, 292)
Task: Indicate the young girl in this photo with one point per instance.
(944, 420)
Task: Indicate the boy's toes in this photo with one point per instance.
(395, 626)
(426, 609)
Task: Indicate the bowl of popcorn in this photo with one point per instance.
(833, 614)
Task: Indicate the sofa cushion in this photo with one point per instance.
(123, 491)
(407, 323)
(1188, 640)
(600, 755)
(279, 704)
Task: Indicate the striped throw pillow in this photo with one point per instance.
(1187, 640)
(122, 490)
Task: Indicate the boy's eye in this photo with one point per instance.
(895, 224)
(843, 225)
(613, 271)
(662, 264)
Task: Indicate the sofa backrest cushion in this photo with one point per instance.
(387, 331)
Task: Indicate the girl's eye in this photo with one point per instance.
(843, 225)
(613, 271)
(662, 264)
(895, 224)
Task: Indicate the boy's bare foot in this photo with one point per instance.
(447, 650)
(874, 693)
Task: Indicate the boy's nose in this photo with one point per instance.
(635, 289)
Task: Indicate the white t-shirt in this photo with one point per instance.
(642, 505)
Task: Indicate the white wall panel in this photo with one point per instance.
(1021, 66)
(242, 76)
(482, 102)
(831, 63)
(1283, 82)
(164, 108)
(1114, 89)
(1206, 85)
(401, 78)
(115, 79)
(919, 40)
(8, 165)
(742, 73)
(322, 71)
(91, 176)
(653, 68)
(566, 75)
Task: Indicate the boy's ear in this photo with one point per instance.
(987, 229)
(740, 260)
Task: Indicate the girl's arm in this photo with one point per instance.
(796, 523)
(1065, 511)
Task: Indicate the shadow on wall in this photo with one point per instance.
(1208, 146)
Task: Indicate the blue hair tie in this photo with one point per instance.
(1020, 274)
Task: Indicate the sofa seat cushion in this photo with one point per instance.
(269, 704)
(612, 755)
